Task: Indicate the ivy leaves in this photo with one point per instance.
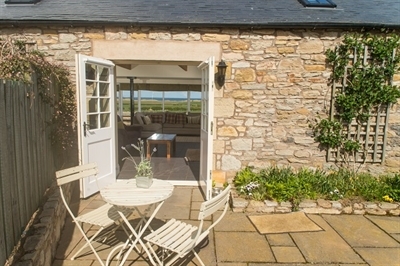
(367, 77)
(18, 64)
(363, 68)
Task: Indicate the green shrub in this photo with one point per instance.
(369, 187)
(248, 184)
(393, 187)
(244, 177)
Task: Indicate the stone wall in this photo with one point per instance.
(319, 206)
(40, 240)
(276, 81)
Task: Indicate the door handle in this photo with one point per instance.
(86, 127)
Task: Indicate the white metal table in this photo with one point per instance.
(125, 194)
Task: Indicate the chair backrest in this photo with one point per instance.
(74, 173)
(69, 175)
(209, 207)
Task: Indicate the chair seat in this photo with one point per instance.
(175, 235)
(176, 239)
(103, 216)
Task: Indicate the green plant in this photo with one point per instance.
(366, 87)
(19, 64)
(393, 187)
(285, 184)
(244, 177)
(143, 168)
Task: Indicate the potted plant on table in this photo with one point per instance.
(144, 170)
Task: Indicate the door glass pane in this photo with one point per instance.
(104, 89)
(91, 105)
(93, 121)
(104, 73)
(105, 120)
(91, 88)
(104, 104)
(90, 71)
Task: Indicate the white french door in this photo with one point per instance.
(96, 120)
(206, 131)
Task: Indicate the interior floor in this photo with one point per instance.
(175, 168)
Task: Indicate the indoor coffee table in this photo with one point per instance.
(167, 139)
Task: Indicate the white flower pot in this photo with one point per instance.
(144, 181)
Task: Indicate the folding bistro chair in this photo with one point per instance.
(176, 239)
(103, 217)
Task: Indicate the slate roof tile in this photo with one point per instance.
(246, 13)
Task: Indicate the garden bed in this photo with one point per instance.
(341, 191)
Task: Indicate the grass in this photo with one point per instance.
(286, 184)
(156, 106)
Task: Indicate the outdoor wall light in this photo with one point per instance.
(221, 73)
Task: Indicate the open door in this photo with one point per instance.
(96, 120)
(206, 130)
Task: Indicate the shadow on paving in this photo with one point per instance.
(344, 240)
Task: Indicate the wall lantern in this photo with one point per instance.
(221, 73)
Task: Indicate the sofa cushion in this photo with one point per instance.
(170, 118)
(156, 127)
(193, 119)
(157, 118)
(180, 119)
(147, 120)
(139, 119)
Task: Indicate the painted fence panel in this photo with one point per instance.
(27, 164)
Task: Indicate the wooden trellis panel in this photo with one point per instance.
(370, 134)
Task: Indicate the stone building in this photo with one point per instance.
(277, 77)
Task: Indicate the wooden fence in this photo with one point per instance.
(27, 164)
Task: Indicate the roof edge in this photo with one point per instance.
(207, 25)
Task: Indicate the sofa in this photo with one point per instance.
(181, 124)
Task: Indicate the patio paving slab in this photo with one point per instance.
(389, 224)
(283, 223)
(177, 206)
(287, 254)
(380, 256)
(72, 263)
(358, 231)
(396, 236)
(242, 247)
(324, 246)
(237, 222)
(302, 264)
(280, 240)
(231, 264)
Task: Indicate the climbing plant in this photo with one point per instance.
(20, 64)
(362, 91)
